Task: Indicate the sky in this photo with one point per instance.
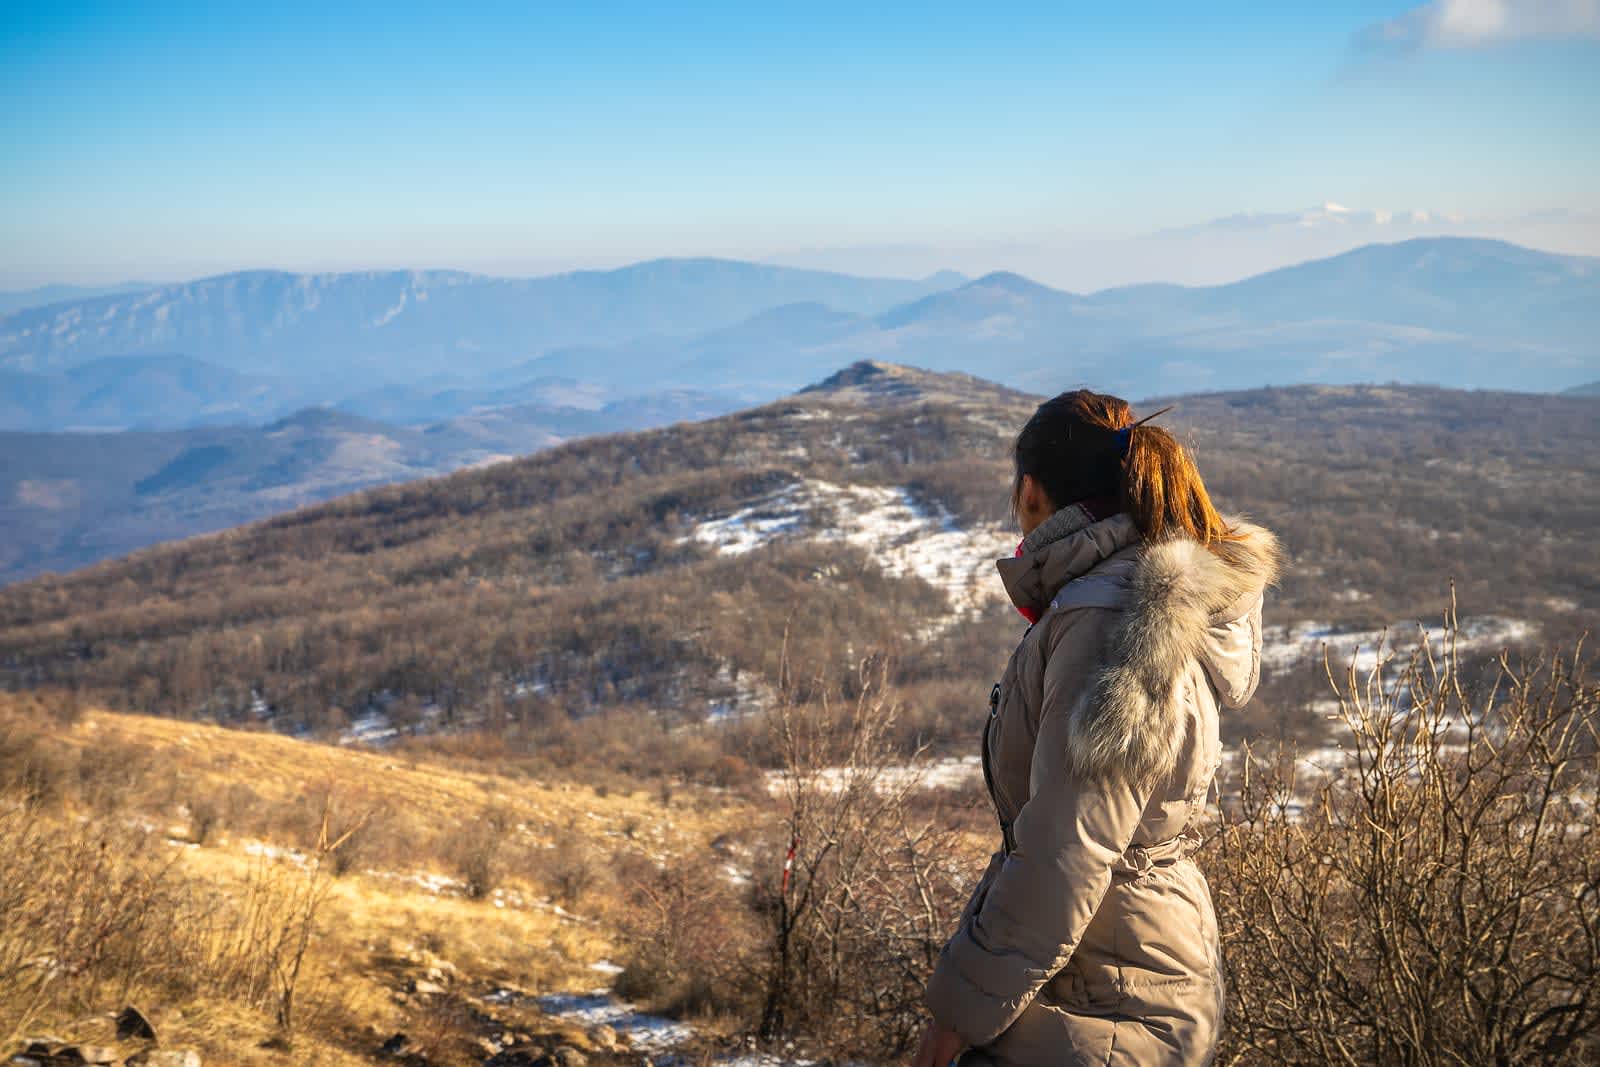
(1085, 145)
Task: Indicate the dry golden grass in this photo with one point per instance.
(280, 769)
(397, 913)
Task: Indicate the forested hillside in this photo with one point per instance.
(666, 575)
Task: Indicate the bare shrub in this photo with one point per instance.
(45, 705)
(379, 839)
(288, 951)
(205, 814)
(82, 909)
(96, 912)
(691, 945)
(441, 1028)
(111, 777)
(476, 851)
(872, 882)
(570, 870)
(33, 769)
(1436, 901)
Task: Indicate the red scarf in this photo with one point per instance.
(1100, 507)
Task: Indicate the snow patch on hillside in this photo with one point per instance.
(905, 536)
(1285, 647)
(656, 1036)
(645, 1033)
(745, 695)
(389, 315)
(950, 773)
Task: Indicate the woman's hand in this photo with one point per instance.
(939, 1046)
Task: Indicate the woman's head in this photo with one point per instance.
(1071, 451)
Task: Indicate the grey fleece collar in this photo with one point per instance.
(1066, 521)
(1071, 546)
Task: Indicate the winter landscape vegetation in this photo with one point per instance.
(574, 651)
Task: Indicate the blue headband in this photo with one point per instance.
(1124, 436)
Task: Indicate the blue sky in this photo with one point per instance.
(1084, 144)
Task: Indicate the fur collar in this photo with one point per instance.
(1128, 726)
(1067, 520)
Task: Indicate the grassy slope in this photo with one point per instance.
(379, 925)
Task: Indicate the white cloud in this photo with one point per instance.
(1327, 215)
(1465, 24)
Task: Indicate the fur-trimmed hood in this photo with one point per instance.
(1183, 602)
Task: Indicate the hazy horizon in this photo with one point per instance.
(857, 262)
(1084, 148)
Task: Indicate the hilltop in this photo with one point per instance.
(873, 382)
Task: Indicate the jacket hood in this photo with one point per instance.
(1183, 601)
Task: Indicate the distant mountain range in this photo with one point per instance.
(426, 346)
(136, 417)
(405, 325)
(20, 299)
(142, 392)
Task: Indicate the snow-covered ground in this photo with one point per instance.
(376, 728)
(950, 773)
(373, 728)
(645, 1033)
(653, 1035)
(749, 694)
(1288, 646)
(905, 537)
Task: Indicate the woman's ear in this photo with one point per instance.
(1033, 503)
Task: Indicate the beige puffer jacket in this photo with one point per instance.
(1091, 937)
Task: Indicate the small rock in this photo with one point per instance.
(603, 1037)
(488, 1046)
(167, 1057)
(133, 1026)
(97, 1054)
(395, 1046)
(423, 987)
(567, 1056)
(432, 964)
(520, 1057)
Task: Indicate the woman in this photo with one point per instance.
(1091, 937)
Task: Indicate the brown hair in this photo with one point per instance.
(1071, 447)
